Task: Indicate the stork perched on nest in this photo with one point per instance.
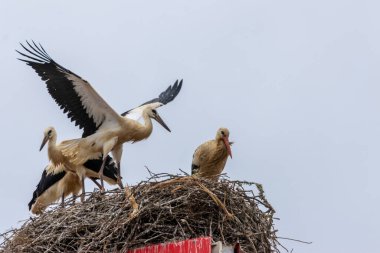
(210, 158)
(104, 130)
(88, 169)
(55, 183)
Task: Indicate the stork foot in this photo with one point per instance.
(97, 184)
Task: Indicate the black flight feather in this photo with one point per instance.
(110, 170)
(59, 86)
(46, 181)
(165, 97)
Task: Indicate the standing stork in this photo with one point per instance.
(55, 183)
(104, 130)
(210, 158)
(88, 169)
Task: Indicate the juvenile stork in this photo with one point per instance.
(104, 130)
(55, 183)
(210, 158)
(88, 169)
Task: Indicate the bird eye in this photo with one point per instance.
(222, 132)
(154, 111)
(49, 132)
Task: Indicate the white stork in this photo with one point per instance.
(55, 183)
(210, 158)
(88, 169)
(104, 130)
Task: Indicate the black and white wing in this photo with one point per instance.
(75, 96)
(165, 97)
(47, 180)
(109, 171)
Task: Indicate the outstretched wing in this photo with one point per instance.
(165, 97)
(74, 95)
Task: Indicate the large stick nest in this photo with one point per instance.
(171, 208)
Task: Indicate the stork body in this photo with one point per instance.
(111, 139)
(210, 158)
(87, 168)
(104, 130)
(55, 183)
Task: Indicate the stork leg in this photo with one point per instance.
(119, 176)
(101, 174)
(116, 153)
(107, 147)
(96, 182)
(83, 190)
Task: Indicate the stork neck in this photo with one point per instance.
(52, 144)
(148, 126)
(218, 138)
(221, 145)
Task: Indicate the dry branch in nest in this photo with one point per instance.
(171, 208)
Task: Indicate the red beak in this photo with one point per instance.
(228, 147)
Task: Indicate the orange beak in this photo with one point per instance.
(228, 146)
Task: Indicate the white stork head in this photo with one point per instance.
(150, 109)
(222, 135)
(49, 134)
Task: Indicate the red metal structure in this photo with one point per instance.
(198, 245)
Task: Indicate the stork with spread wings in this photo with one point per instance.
(104, 130)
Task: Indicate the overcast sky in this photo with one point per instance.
(296, 82)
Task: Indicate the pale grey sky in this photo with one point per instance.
(296, 82)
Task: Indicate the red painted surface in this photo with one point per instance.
(198, 245)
